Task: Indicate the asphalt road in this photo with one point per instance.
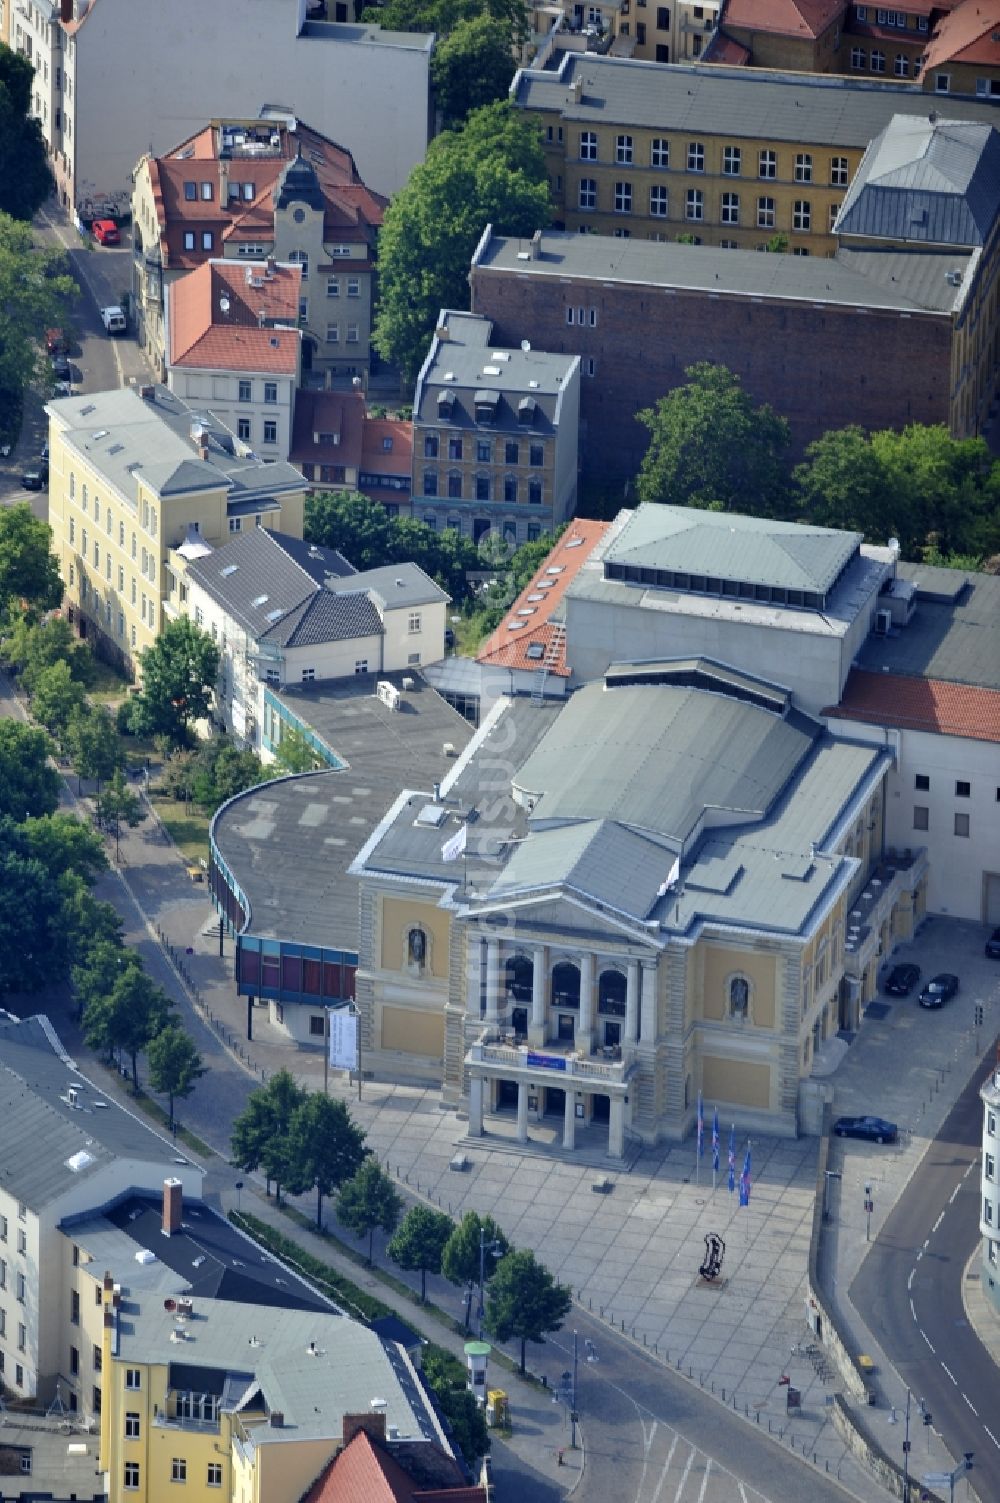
(909, 1293)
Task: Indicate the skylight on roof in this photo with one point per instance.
(229, 569)
(514, 624)
(555, 568)
(260, 600)
(274, 615)
(117, 449)
(433, 815)
(77, 1162)
(535, 651)
(574, 543)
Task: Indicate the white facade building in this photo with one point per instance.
(116, 77)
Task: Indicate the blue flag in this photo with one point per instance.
(715, 1141)
(732, 1158)
(745, 1180)
(701, 1127)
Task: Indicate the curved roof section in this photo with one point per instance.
(662, 759)
(299, 184)
(929, 181)
(725, 545)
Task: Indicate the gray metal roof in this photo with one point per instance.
(313, 1391)
(906, 281)
(953, 634)
(740, 103)
(321, 564)
(124, 435)
(326, 617)
(935, 182)
(289, 843)
(615, 865)
(394, 585)
(462, 364)
(42, 1132)
(727, 545)
(254, 575)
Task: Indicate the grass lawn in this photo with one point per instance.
(469, 635)
(185, 824)
(109, 685)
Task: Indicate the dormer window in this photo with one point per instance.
(445, 402)
(526, 410)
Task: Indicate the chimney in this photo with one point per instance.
(173, 1200)
(276, 1419)
(536, 246)
(147, 393)
(203, 449)
(223, 183)
(269, 266)
(66, 10)
(372, 1424)
(576, 90)
(109, 1287)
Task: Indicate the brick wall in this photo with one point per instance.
(822, 367)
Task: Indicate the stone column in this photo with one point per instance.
(585, 1033)
(492, 982)
(536, 1028)
(569, 1121)
(616, 1128)
(648, 1030)
(522, 1111)
(475, 1106)
(473, 984)
(632, 1003)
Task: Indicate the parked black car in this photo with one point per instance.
(993, 945)
(32, 480)
(939, 990)
(872, 1129)
(61, 368)
(901, 980)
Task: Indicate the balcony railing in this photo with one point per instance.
(558, 1057)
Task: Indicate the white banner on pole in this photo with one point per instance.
(343, 1039)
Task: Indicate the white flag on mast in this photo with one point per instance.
(455, 847)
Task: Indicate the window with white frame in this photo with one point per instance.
(839, 172)
(588, 193)
(802, 215)
(131, 1476)
(588, 146)
(413, 622)
(803, 167)
(623, 149)
(730, 208)
(732, 161)
(859, 58)
(877, 61)
(300, 258)
(659, 201)
(659, 152)
(765, 213)
(767, 164)
(623, 198)
(694, 207)
(132, 1425)
(901, 65)
(696, 156)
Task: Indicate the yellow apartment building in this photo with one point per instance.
(134, 476)
(724, 157)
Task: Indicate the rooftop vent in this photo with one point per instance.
(229, 569)
(86, 411)
(145, 1257)
(491, 370)
(260, 600)
(953, 278)
(101, 433)
(432, 815)
(77, 1162)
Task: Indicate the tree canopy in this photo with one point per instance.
(710, 447)
(174, 1064)
(30, 928)
(525, 1302)
(56, 699)
(922, 486)
(128, 1017)
(420, 1241)
(260, 1134)
(32, 646)
(460, 1257)
(367, 1201)
(29, 784)
(491, 171)
(28, 568)
(33, 296)
(449, 1380)
(363, 531)
(179, 673)
(25, 176)
(472, 66)
(325, 1147)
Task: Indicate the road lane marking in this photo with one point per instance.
(924, 1248)
(704, 1480)
(992, 1437)
(666, 1468)
(743, 1493)
(912, 1310)
(935, 1226)
(684, 1476)
(909, 1282)
(971, 1405)
(950, 1373)
(969, 1170)
(928, 1341)
(954, 1192)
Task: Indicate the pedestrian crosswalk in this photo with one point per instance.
(674, 1471)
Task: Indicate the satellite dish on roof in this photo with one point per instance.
(224, 304)
(526, 345)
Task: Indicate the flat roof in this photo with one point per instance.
(953, 634)
(289, 843)
(740, 103)
(63, 1465)
(900, 281)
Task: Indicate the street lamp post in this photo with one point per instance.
(869, 1207)
(495, 1249)
(906, 1453)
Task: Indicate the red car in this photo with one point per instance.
(105, 232)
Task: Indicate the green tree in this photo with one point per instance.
(28, 569)
(294, 753)
(325, 1147)
(369, 1200)
(31, 299)
(85, 921)
(842, 481)
(460, 1260)
(33, 646)
(93, 745)
(31, 939)
(442, 16)
(56, 699)
(222, 770)
(525, 1301)
(472, 67)
(492, 171)
(420, 1241)
(447, 1377)
(174, 1064)
(710, 447)
(94, 978)
(25, 176)
(28, 782)
(356, 526)
(260, 1133)
(61, 842)
(118, 805)
(179, 672)
(178, 773)
(128, 1017)
(510, 578)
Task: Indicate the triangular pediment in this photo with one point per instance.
(561, 917)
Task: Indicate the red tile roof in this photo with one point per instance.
(723, 49)
(365, 1472)
(789, 18)
(352, 211)
(967, 35)
(507, 648)
(920, 704)
(375, 457)
(338, 413)
(215, 315)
